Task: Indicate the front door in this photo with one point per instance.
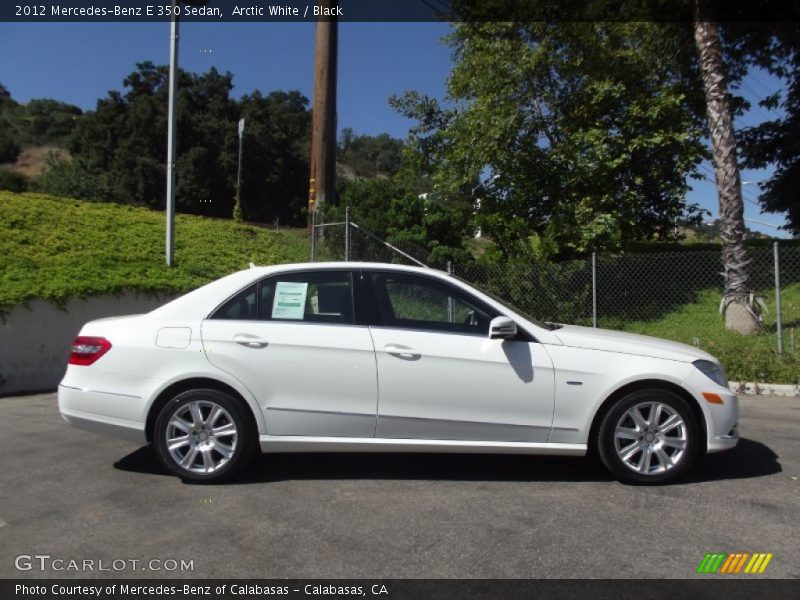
(441, 377)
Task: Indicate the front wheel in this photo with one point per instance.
(204, 436)
(649, 436)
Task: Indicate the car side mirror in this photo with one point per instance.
(502, 328)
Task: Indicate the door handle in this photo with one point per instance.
(250, 341)
(402, 351)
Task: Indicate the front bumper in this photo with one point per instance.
(722, 420)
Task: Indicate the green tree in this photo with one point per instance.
(276, 150)
(775, 47)
(369, 156)
(124, 139)
(9, 149)
(590, 130)
(394, 209)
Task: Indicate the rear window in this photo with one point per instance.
(316, 297)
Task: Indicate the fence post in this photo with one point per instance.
(778, 328)
(594, 289)
(346, 233)
(451, 309)
(313, 236)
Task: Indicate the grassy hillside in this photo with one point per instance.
(746, 358)
(58, 248)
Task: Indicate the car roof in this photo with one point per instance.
(315, 266)
(198, 303)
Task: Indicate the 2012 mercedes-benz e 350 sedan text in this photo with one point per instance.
(364, 357)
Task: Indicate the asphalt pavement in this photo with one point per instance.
(76, 496)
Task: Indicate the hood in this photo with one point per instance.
(628, 343)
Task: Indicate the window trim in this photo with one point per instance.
(375, 319)
(260, 309)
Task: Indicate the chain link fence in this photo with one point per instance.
(614, 292)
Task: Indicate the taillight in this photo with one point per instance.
(86, 350)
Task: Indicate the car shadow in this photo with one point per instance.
(749, 459)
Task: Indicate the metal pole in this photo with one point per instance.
(171, 131)
(347, 233)
(451, 316)
(594, 289)
(313, 236)
(388, 245)
(778, 297)
(239, 167)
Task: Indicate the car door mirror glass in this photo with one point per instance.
(502, 328)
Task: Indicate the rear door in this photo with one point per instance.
(293, 341)
(441, 377)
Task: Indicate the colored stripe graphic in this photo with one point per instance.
(758, 563)
(727, 567)
(711, 562)
(720, 562)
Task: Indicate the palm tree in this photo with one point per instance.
(737, 302)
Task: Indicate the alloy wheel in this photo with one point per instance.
(651, 438)
(201, 436)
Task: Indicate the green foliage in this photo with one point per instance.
(36, 123)
(123, 143)
(775, 142)
(275, 166)
(51, 120)
(60, 248)
(70, 179)
(369, 156)
(590, 129)
(746, 358)
(9, 149)
(13, 181)
(392, 209)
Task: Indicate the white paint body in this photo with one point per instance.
(327, 387)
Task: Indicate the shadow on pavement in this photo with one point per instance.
(749, 459)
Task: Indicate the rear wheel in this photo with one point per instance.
(649, 436)
(204, 436)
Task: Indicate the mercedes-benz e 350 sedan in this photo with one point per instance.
(352, 357)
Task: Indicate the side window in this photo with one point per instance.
(241, 307)
(314, 296)
(422, 303)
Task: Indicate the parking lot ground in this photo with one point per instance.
(75, 495)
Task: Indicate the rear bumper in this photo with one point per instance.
(75, 406)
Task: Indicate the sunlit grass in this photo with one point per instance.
(748, 358)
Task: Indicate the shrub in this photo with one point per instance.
(9, 149)
(13, 181)
(67, 178)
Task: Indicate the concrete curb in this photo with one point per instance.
(764, 389)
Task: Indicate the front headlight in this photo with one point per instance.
(713, 371)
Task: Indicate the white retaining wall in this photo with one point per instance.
(35, 339)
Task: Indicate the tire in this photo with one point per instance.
(649, 437)
(212, 436)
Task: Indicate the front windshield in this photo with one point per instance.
(511, 307)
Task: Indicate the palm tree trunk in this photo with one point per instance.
(737, 303)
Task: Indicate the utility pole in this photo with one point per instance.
(171, 130)
(323, 128)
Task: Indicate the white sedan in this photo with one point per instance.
(364, 357)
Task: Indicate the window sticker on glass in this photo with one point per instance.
(290, 300)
